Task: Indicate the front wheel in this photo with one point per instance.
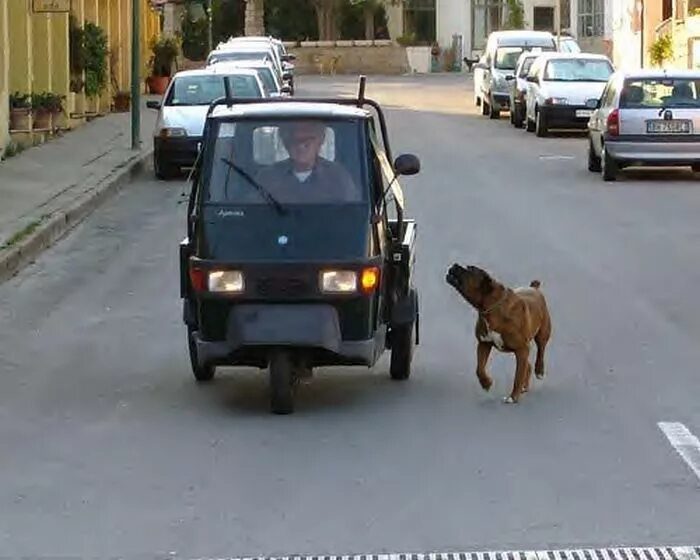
(593, 160)
(402, 344)
(541, 129)
(493, 112)
(281, 383)
(201, 373)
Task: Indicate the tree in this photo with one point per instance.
(291, 21)
(254, 17)
(369, 9)
(327, 17)
(516, 15)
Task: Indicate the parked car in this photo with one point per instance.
(235, 52)
(271, 83)
(568, 44)
(183, 111)
(286, 59)
(647, 117)
(502, 51)
(518, 91)
(561, 87)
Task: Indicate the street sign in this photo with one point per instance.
(51, 6)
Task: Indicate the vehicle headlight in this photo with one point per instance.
(557, 101)
(226, 281)
(349, 281)
(339, 281)
(172, 132)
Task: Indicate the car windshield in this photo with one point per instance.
(507, 57)
(578, 70)
(223, 56)
(527, 64)
(656, 93)
(202, 90)
(310, 161)
(570, 46)
(267, 78)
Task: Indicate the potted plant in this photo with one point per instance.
(122, 101)
(165, 51)
(20, 110)
(46, 105)
(121, 98)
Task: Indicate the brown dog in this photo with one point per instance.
(509, 319)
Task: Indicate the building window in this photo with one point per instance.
(419, 20)
(591, 20)
(543, 18)
(487, 16)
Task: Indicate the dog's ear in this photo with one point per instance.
(486, 285)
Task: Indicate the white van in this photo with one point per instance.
(503, 49)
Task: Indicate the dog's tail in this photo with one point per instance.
(535, 284)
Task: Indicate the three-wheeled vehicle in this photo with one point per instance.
(298, 254)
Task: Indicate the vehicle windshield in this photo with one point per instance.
(507, 57)
(569, 45)
(527, 64)
(289, 161)
(660, 93)
(223, 56)
(578, 70)
(202, 90)
(267, 78)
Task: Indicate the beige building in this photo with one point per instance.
(35, 55)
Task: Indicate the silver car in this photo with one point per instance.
(647, 117)
(183, 111)
(518, 91)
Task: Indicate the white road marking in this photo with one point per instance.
(556, 157)
(687, 446)
(679, 552)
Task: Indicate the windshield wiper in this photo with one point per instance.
(262, 190)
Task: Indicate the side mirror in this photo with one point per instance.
(533, 79)
(286, 89)
(510, 78)
(593, 103)
(286, 76)
(289, 57)
(153, 105)
(407, 164)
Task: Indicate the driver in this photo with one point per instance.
(305, 175)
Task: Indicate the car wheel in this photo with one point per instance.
(493, 113)
(402, 344)
(529, 124)
(512, 117)
(540, 125)
(201, 373)
(696, 167)
(518, 117)
(593, 160)
(281, 383)
(609, 167)
(484, 108)
(163, 170)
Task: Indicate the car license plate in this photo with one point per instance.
(668, 127)
(583, 112)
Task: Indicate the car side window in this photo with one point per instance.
(609, 95)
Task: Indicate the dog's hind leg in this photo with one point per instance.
(483, 351)
(541, 340)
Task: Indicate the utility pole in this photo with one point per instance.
(558, 25)
(640, 4)
(135, 74)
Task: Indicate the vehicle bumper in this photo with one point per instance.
(254, 328)
(664, 150)
(564, 116)
(177, 151)
(501, 100)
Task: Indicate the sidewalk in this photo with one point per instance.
(47, 190)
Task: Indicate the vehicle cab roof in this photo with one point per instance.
(217, 70)
(659, 73)
(290, 109)
(574, 56)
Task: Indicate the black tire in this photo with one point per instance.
(541, 129)
(163, 170)
(402, 344)
(484, 108)
(477, 101)
(695, 167)
(493, 113)
(201, 373)
(512, 115)
(529, 125)
(609, 168)
(517, 117)
(593, 160)
(281, 383)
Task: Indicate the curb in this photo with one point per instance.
(58, 224)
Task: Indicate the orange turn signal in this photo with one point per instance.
(369, 279)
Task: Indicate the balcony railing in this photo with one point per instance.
(664, 27)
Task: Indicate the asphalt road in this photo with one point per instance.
(107, 446)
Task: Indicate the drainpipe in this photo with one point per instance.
(640, 5)
(135, 75)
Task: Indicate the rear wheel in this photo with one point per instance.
(517, 117)
(541, 129)
(163, 169)
(281, 383)
(696, 167)
(593, 160)
(493, 112)
(610, 167)
(402, 344)
(201, 373)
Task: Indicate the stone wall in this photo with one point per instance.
(350, 57)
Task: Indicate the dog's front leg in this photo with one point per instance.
(522, 357)
(483, 351)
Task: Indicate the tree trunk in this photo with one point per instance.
(255, 17)
(326, 12)
(369, 21)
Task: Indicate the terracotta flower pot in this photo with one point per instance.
(42, 119)
(158, 84)
(122, 103)
(19, 119)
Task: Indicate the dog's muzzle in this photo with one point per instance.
(453, 275)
